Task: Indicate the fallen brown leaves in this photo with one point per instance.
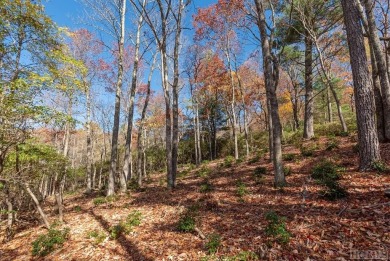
(321, 230)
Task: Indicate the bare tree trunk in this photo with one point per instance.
(127, 165)
(380, 118)
(140, 145)
(198, 144)
(244, 114)
(9, 233)
(115, 130)
(308, 130)
(381, 63)
(330, 85)
(175, 93)
(89, 144)
(270, 132)
(329, 105)
(368, 140)
(233, 101)
(339, 110)
(271, 75)
(38, 206)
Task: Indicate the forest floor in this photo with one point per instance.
(320, 229)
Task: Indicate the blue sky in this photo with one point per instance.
(67, 12)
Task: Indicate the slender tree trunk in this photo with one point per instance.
(233, 102)
(244, 116)
(368, 140)
(339, 110)
(89, 144)
(9, 232)
(118, 89)
(127, 165)
(175, 94)
(37, 205)
(140, 145)
(329, 104)
(198, 144)
(271, 75)
(270, 132)
(380, 125)
(308, 130)
(331, 86)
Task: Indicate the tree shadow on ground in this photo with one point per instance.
(129, 247)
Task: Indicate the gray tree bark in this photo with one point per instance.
(308, 129)
(365, 109)
(381, 63)
(271, 75)
(118, 90)
(127, 163)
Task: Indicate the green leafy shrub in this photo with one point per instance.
(77, 208)
(132, 220)
(183, 173)
(99, 201)
(242, 256)
(276, 227)
(288, 157)
(325, 170)
(258, 174)
(116, 231)
(307, 151)
(112, 198)
(45, 244)
(203, 172)
(228, 161)
(240, 160)
(326, 174)
(254, 160)
(333, 189)
(206, 186)
(213, 243)
(259, 171)
(287, 170)
(380, 166)
(332, 144)
(187, 221)
(241, 189)
(133, 185)
(97, 236)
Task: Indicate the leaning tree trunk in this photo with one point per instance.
(329, 105)
(37, 205)
(369, 152)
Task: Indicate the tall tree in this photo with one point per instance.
(112, 18)
(127, 163)
(271, 75)
(368, 139)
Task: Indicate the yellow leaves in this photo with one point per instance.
(285, 105)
